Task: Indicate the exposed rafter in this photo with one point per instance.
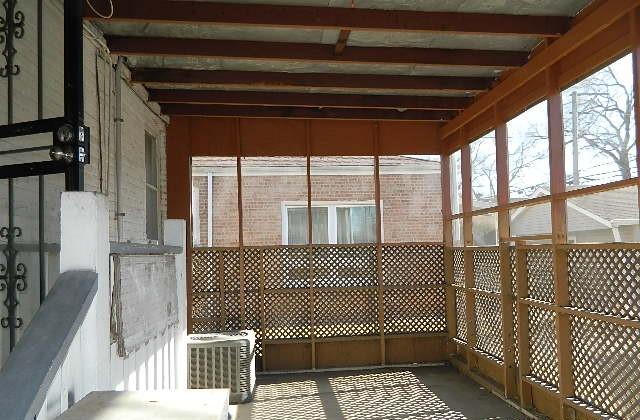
(302, 112)
(327, 80)
(189, 96)
(213, 48)
(199, 12)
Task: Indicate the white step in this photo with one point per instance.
(192, 404)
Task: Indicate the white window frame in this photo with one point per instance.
(156, 188)
(332, 215)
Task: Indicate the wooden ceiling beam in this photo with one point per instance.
(292, 51)
(199, 12)
(325, 80)
(201, 110)
(221, 97)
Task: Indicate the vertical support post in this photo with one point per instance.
(376, 175)
(559, 236)
(635, 45)
(241, 298)
(312, 296)
(263, 324)
(526, 399)
(74, 82)
(447, 237)
(502, 172)
(467, 205)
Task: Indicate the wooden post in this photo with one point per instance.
(376, 175)
(312, 301)
(445, 179)
(469, 282)
(526, 399)
(241, 297)
(559, 236)
(502, 172)
(635, 45)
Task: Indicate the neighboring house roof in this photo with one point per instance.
(603, 210)
(324, 165)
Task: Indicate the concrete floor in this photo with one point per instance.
(437, 393)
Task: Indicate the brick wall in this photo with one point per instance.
(411, 205)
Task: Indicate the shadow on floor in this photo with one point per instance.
(412, 393)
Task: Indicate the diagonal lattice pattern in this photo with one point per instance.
(489, 325)
(543, 345)
(346, 313)
(415, 310)
(287, 315)
(412, 265)
(458, 267)
(605, 280)
(461, 315)
(286, 267)
(350, 266)
(486, 269)
(514, 309)
(606, 366)
(540, 274)
(205, 268)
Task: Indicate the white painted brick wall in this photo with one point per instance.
(137, 116)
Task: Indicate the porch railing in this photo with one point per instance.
(320, 292)
(514, 330)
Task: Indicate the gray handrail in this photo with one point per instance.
(30, 369)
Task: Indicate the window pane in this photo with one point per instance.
(485, 229)
(298, 229)
(608, 216)
(151, 160)
(344, 182)
(528, 144)
(456, 231)
(356, 225)
(218, 214)
(269, 185)
(599, 126)
(152, 214)
(410, 193)
(531, 220)
(483, 171)
(455, 166)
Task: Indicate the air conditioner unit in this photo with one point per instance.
(223, 360)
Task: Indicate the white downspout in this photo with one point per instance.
(118, 133)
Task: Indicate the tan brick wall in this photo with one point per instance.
(411, 205)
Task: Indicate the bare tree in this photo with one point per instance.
(604, 119)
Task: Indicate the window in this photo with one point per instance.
(333, 223)
(483, 172)
(599, 127)
(455, 166)
(529, 153)
(151, 165)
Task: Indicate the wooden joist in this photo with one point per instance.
(199, 12)
(326, 80)
(294, 51)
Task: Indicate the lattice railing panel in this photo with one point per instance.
(606, 366)
(205, 306)
(514, 308)
(415, 310)
(412, 265)
(543, 345)
(347, 266)
(461, 315)
(458, 267)
(253, 266)
(605, 280)
(286, 268)
(488, 312)
(540, 274)
(287, 315)
(486, 269)
(205, 269)
(344, 313)
(232, 314)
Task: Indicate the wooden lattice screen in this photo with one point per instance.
(309, 294)
(603, 317)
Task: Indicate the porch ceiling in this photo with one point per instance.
(373, 59)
